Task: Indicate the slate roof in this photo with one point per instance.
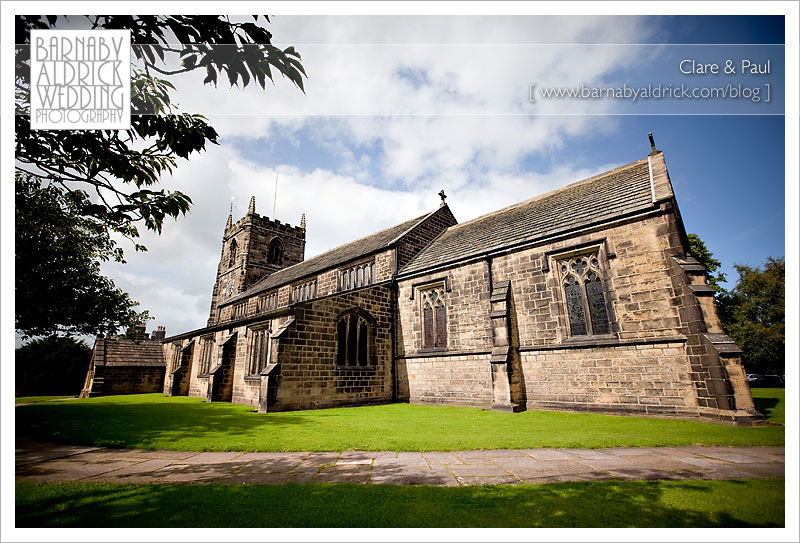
(606, 196)
(329, 259)
(124, 352)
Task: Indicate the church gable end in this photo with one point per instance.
(571, 300)
(422, 234)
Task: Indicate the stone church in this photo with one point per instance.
(581, 299)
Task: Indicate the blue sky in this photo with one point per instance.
(398, 107)
(728, 170)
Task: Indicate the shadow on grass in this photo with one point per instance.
(766, 406)
(124, 422)
(608, 504)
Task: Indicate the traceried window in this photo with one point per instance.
(275, 252)
(361, 275)
(584, 295)
(354, 339)
(233, 250)
(434, 318)
(205, 355)
(259, 350)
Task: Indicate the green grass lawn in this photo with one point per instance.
(679, 504)
(39, 399)
(154, 421)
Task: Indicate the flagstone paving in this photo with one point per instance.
(49, 462)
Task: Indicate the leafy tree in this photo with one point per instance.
(101, 182)
(753, 314)
(59, 287)
(51, 366)
(699, 250)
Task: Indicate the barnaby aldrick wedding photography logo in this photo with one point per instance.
(80, 79)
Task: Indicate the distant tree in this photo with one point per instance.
(753, 315)
(699, 250)
(51, 366)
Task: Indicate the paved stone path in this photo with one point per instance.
(38, 461)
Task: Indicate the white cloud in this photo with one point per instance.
(459, 87)
(358, 83)
(174, 278)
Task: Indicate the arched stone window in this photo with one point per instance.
(355, 338)
(233, 249)
(275, 252)
(584, 295)
(434, 319)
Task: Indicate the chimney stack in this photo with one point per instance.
(139, 331)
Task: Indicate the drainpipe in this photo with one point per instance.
(394, 290)
(394, 293)
(489, 269)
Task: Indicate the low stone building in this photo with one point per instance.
(584, 298)
(126, 366)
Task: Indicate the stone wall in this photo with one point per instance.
(641, 300)
(649, 378)
(448, 380)
(653, 361)
(309, 375)
(131, 379)
(198, 386)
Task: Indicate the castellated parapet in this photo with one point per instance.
(253, 248)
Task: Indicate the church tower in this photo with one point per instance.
(252, 248)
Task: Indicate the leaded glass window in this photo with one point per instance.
(205, 355)
(584, 295)
(259, 350)
(575, 308)
(434, 318)
(353, 340)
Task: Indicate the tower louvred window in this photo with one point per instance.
(233, 250)
(275, 252)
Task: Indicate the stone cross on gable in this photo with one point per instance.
(442, 195)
